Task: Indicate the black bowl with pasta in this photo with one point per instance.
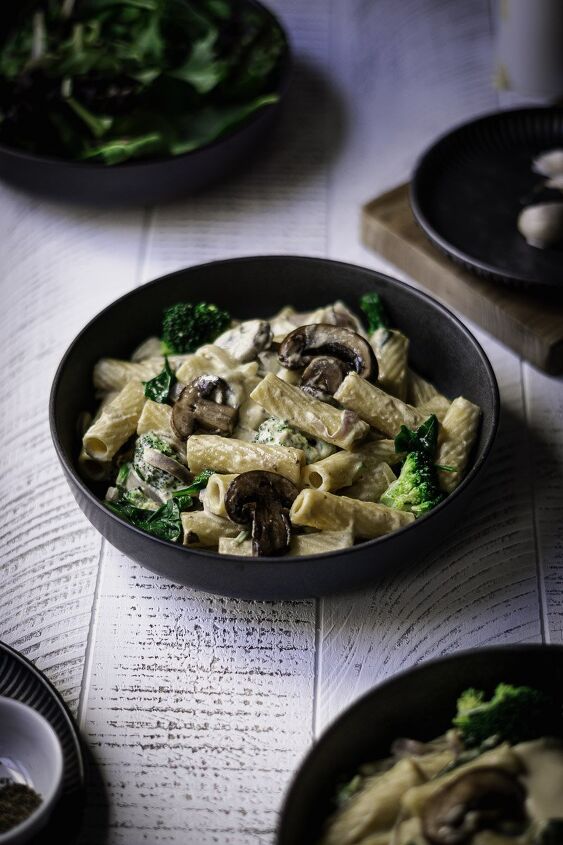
(441, 350)
(375, 776)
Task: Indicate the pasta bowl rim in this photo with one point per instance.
(352, 713)
(469, 338)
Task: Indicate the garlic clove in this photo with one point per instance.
(542, 224)
(549, 163)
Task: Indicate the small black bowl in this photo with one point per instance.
(442, 349)
(418, 704)
(151, 180)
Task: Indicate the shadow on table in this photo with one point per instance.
(95, 824)
(307, 137)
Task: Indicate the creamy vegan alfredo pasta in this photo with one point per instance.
(297, 435)
(495, 778)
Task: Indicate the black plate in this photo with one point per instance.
(419, 703)
(20, 680)
(441, 349)
(147, 181)
(470, 185)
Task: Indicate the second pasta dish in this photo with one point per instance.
(301, 434)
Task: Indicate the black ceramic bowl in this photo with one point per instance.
(147, 181)
(419, 703)
(441, 349)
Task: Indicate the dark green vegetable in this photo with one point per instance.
(514, 714)
(375, 312)
(119, 79)
(164, 522)
(188, 325)
(123, 474)
(416, 489)
(158, 388)
(424, 439)
(184, 497)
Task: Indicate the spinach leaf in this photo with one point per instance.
(158, 388)
(423, 439)
(164, 522)
(199, 482)
(375, 312)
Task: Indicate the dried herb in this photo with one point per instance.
(17, 803)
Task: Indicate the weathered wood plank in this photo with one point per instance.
(198, 709)
(544, 406)
(59, 266)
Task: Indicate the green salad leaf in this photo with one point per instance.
(114, 80)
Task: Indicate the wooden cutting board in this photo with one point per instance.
(529, 324)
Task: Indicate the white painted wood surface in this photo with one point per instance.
(197, 708)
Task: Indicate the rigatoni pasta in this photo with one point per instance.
(270, 437)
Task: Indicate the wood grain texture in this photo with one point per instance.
(199, 709)
(544, 406)
(58, 267)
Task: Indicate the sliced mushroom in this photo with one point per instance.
(246, 340)
(307, 342)
(202, 403)
(481, 799)
(164, 462)
(263, 499)
(322, 378)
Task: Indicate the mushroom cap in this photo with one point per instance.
(203, 402)
(482, 798)
(300, 346)
(542, 224)
(263, 499)
(323, 376)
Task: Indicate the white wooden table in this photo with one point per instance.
(199, 708)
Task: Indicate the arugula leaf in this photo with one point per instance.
(97, 124)
(158, 388)
(123, 474)
(202, 69)
(423, 439)
(373, 308)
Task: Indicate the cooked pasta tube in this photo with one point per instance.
(87, 466)
(155, 417)
(379, 409)
(326, 511)
(214, 499)
(113, 374)
(457, 436)
(437, 405)
(204, 530)
(391, 349)
(301, 544)
(419, 390)
(332, 473)
(117, 422)
(371, 483)
(376, 452)
(228, 455)
(309, 415)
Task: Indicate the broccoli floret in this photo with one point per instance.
(157, 478)
(422, 439)
(279, 432)
(513, 714)
(187, 326)
(373, 308)
(416, 489)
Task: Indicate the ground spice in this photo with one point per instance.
(17, 802)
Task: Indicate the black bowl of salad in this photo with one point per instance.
(119, 102)
(192, 398)
(465, 750)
